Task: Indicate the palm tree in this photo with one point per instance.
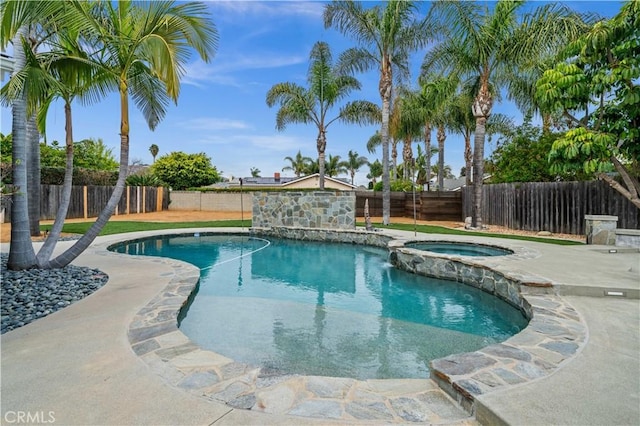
(335, 166)
(488, 44)
(327, 87)
(140, 50)
(255, 172)
(45, 77)
(18, 19)
(376, 140)
(386, 37)
(298, 164)
(154, 150)
(354, 163)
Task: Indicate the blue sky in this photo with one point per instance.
(222, 110)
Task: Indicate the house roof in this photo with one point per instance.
(283, 181)
(341, 181)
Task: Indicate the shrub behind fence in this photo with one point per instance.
(557, 207)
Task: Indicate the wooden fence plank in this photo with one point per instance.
(558, 207)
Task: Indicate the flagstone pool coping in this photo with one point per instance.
(555, 334)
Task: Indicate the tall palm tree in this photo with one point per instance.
(154, 150)
(139, 50)
(376, 140)
(439, 92)
(335, 166)
(298, 164)
(18, 18)
(327, 86)
(45, 77)
(488, 44)
(386, 36)
(354, 163)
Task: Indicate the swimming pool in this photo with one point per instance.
(327, 309)
(458, 248)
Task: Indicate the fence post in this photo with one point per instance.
(159, 197)
(144, 199)
(85, 201)
(128, 200)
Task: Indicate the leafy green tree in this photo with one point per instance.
(181, 171)
(521, 156)
(375, 171)
(489, 45)
(354, 163)
(94, 155)
(298, 164)
(6, 146)
(327, 87)
(386, 37)
(255, 172)
(154, 150)
(596, 90)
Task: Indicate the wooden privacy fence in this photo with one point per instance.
(429, 205)
(88, 201)
(557, 207)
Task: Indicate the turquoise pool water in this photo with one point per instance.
(461, 249)
(327, 309)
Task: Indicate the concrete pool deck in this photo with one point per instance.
(77, 365)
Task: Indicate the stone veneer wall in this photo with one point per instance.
(355, 236)
(475, 275)
(601, 229)
(317, 209)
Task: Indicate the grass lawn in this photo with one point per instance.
(118, 227)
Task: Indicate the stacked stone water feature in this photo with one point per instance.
(313, 209)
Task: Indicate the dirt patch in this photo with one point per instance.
(200, 216)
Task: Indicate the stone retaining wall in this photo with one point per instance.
(350, 237)
(601, 229)
(628, 238)
(317, 209)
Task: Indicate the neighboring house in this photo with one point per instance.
(455, 184)
(303, 182)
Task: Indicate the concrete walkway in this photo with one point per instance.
(77, 366)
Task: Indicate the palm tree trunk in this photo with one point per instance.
(44, 254)
(442, 136)
(33, 175)
(407, 157)
(322, 145)
(427, 153)
(468, 158)
(83, 243)
(481, 110)
(21, 253)
(478, 172)
(394, 159)
(384, 87)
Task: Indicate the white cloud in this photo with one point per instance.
(223, 70)
(215, 124)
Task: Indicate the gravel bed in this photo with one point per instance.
(35, 293)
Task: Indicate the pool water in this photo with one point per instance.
(327, 309)
(461, 249)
